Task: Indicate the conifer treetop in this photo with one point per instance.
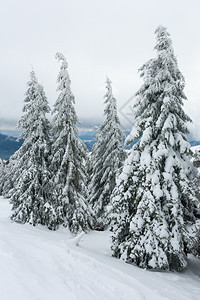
(60, 56)
(163, 40)
(63, 108)
(63, 79)
(163, 85)
(111, 122)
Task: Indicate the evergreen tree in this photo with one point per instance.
(2, 175)
(155, 200)
(68, 159)
(31, 197)
(196, 158)
(7, 180)
(106, 159)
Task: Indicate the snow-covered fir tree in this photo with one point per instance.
(10, 174)
(107, 158)
(32, 194)
(68, 159)
(155, 203)
(7, 180)
(196, 158)
(2, 175)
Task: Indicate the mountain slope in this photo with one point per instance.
(40, 264)
(8, 145)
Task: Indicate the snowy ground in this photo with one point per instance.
(37, 264)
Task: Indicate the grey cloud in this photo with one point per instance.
(98, 38)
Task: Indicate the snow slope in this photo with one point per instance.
(38, 264)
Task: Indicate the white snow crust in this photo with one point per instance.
(39, 264)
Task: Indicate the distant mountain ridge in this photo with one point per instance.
(9, 144)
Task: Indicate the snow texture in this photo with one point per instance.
(37, 263)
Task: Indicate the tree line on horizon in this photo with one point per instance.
(147, 196)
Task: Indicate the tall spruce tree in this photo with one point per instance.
(107, 158)
(68, 159)
(155, 202)
(31, 197)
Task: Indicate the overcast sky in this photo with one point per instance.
(98, 38)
